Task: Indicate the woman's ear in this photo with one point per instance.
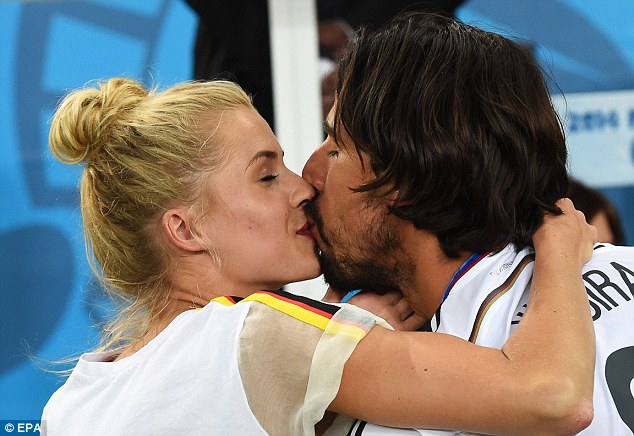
(176, 224)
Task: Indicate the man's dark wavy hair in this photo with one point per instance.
(458, 123)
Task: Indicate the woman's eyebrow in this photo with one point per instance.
(263, 154)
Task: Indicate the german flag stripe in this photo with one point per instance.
(225, 300)
(315, 304)
(313, 312)
(352, 330)
(297, 309)
(497, 293)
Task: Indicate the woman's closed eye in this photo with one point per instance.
(269, 178)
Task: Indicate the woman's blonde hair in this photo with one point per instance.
(144, 151)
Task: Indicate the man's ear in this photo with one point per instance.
(392, 199)
(176, 224)
(393, 196)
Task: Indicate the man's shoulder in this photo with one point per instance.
(605, 251)
(498, 271)
(611, 258)
(609, 282)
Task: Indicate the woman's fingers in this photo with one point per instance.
(568, 233)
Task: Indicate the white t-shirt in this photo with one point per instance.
(487, 302)
(270, 363)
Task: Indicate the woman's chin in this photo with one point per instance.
(308, 274)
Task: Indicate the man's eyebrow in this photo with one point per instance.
(263, 154)
(328, 129)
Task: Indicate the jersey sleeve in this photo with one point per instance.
(291, 357)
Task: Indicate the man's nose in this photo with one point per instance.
(316, 169)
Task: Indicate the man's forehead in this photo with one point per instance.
(337, 131)
(329, 122)
(329, 129)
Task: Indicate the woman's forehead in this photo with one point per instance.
(244, 135)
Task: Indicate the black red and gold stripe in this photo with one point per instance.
(497, 293)
(313, 312)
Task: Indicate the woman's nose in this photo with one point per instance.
(303, 194)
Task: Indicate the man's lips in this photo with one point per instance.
(306, 230)
(313, 227)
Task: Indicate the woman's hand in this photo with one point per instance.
(569, 236)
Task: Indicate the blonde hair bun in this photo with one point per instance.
(145, 152)
(88, 119)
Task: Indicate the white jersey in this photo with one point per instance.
(268, 364)
(487, 302)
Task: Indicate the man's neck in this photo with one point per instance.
(434, 270)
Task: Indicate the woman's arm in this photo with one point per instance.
(540, 381)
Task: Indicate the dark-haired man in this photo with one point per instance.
(443, 153)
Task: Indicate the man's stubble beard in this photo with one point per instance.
(376, 262)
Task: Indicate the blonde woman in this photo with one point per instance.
(194, 220)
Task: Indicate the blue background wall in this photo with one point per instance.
(50, 307)
(48, 301)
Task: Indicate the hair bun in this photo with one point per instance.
(90, 118)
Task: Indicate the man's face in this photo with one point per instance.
(359, 242)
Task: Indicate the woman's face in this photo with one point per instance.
(255, 221)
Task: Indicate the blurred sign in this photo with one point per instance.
(600, 136)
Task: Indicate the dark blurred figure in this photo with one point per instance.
(232, 40)
(599, 212)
